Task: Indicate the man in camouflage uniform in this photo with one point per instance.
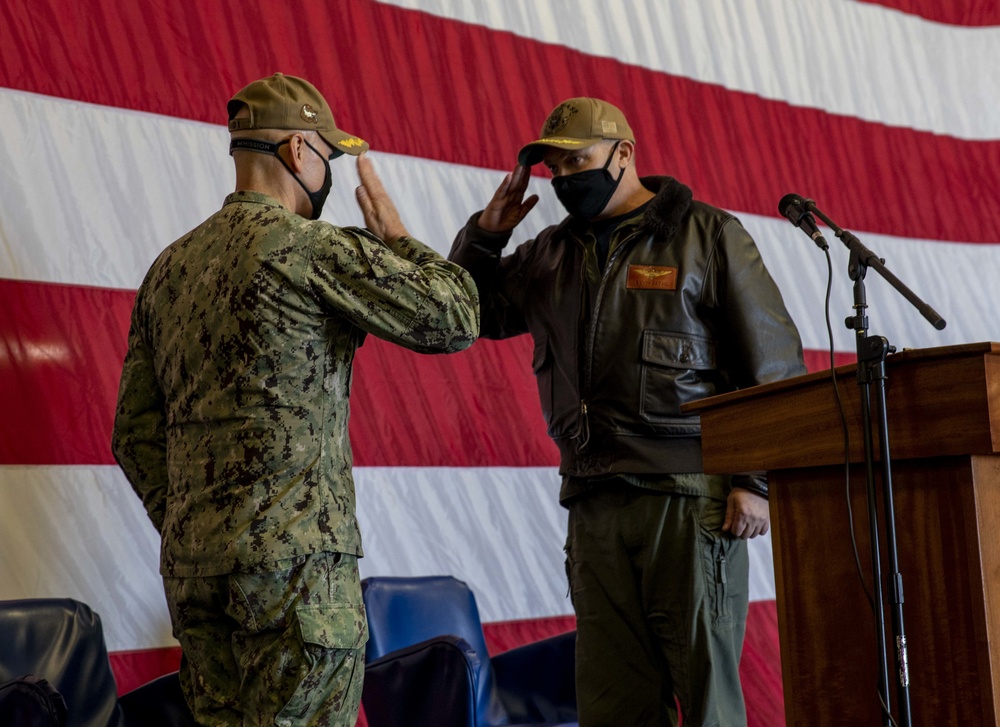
(232, 418)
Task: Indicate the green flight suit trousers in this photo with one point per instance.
(661, 597)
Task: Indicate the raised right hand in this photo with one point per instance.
(508, 206)
(381, 217)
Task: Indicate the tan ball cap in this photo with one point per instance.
(288, 102)
(576, 124)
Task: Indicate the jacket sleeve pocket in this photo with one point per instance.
(672, 366)
(541, 364)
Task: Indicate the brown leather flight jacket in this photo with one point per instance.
(685, 309)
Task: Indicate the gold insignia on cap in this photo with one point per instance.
(308, 113)
(558, 140)
(558, 119)
(352, 142)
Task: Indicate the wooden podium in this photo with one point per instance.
(943, 409)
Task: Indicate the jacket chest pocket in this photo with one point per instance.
(671, 373)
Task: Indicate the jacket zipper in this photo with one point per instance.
(592, 332)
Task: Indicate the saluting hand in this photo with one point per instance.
(508, 206)
(381, 217)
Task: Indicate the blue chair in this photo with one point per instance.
(427, 663)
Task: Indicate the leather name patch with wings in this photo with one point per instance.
(651, 277)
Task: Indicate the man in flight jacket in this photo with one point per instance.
(641, 300)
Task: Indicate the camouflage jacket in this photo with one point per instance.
(232, 410)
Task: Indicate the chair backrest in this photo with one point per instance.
(62, 641)
(406, 611)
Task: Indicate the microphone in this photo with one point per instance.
(793, 207)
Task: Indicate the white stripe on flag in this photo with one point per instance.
(80, 532)
(93, 243)
(843, 56)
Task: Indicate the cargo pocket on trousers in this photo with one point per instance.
(723, 607)
(333, 639)
(569, 574)
(730, 561)
(720, 571)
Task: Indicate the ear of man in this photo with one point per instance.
(297, 150)
(625, 153)
(268, 174)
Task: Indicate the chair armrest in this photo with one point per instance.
(536, 682)
(430, 684)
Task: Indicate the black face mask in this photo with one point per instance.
(586, 194)
(317, 198)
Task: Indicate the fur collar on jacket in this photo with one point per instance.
(667, 209)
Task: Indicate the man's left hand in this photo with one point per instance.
(747, 514)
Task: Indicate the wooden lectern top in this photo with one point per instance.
(940, 402)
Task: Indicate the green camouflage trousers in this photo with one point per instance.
(284, 648)
(660, 595)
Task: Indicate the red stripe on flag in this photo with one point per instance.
(135, 667)
(974, 13)
(478, 408)
(760, 666)
(62, 346)
(421, 85)
(820, 360)
(61, 353)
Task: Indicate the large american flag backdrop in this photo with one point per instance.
(112, 121)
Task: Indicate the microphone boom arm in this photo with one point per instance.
(867, 258)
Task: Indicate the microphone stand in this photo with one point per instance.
(872, 352)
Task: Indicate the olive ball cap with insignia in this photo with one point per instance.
(289, 102)
(576, 124)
